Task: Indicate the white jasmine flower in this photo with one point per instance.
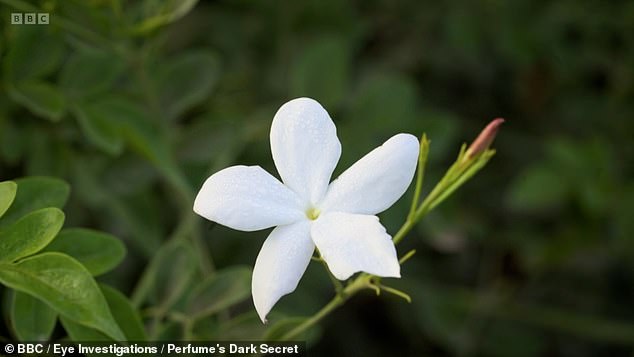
(339, 219)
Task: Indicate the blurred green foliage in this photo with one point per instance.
(134, 104)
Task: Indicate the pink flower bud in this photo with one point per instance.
(484, 140)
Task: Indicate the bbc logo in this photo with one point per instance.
(29, 18)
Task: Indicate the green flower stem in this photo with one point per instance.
(407, 256)
(405, 228)
(464, 175)
(397, 292)
(157, 317)
(188, 330)
(335, 282)
(337, 301)
(420, 174)
(459, 173)
(361, 282)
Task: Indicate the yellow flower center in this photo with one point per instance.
(312, 213)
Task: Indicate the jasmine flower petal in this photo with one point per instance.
(351, 243)
(305, 147)
(339, 219)
(280, 264)
(377, 180)
(247, 198)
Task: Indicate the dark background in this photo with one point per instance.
(533, 257)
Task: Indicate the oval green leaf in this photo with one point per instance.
(186, 81)
(139, 131)
(41, 98)
(30, 234)
(168, 275)
(221, 290)
(66, 286)
(89, 72)
(31, 319)
(78, 332)
(122, 311)
(99, 128)
(7, 194)
(99, 252)
(35, 193)
(34, 51)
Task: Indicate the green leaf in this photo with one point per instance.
(30, 234)
(124, 313)
(99, 252)
(322, 71)
(66, 286)
(145, 137)
(7, 194)
(40, 98)
(78, 332)
(210, 140)
(139, 215)
(89, 72)
(35, 51)
(99, 127)
(186, 81)
(139, 130)
(168, 275)
(221, 290)
(31, 319)
(35, 193)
